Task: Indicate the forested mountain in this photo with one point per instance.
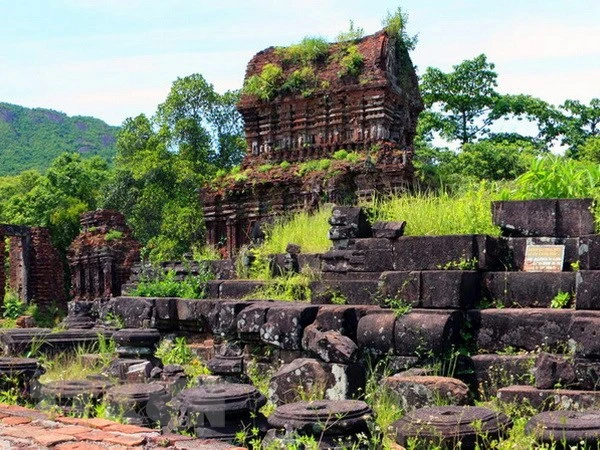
(33, 138)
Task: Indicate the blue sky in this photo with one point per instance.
(117, 58)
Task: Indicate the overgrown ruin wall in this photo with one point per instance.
(35, 270)
(374, 114)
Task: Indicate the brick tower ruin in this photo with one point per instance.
(294, 138)
(101, 256)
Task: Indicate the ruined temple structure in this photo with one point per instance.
(373, 113)
(35, 270)
(101, 256)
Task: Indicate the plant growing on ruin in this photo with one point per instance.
(306, 52)
(351, 35)
(265, 168)
(301, 81)
(174, 352)
(461, 264)
(166, 285)
(13, 306)
(337, 298)
(560, 300)
(113, 235)
(399, 306)
(266, 85)
(293, 287)
(395, 25)
(351, 62)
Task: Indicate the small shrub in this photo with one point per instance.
(351, 62)
(560, 300)
(340, 155)
(302, 81)
(113, 235)
(307, 51)
(266, 85)
(166, 285)
(351, 35)
(337, 298)
(461, 264)
(353, 157)
(294, 287)
(265, 168)
(284, 165)
(13, 306)
(174, 352)
(399, 306)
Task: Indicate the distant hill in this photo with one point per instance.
(32, 138)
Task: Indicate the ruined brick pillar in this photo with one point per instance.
(2, 264)
(46, 276)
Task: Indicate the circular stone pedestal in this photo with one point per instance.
(73, 396)
(334, 423)
(218, 411)
(450, 426)
(136, 342)
(565, 429)
(139, 404)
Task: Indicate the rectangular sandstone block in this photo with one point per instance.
(544, 217)
(527, 289)
(450, 289)
(437, 289)
(587, 290)
(348, 292)
(465, 251)
(405, 286)
(518, 245)
(238, 288)
(589, 252)
(498, 330)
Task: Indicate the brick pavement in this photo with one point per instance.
(28, 429)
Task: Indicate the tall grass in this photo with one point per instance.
(440, 213)
(308, 230)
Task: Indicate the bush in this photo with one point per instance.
(307, 51)
(556, 177)
(340, 155)
(352, 62)
(352, 35)
(302, 81)
(13, 306)
(284, 165)
(166, 285)
(266, 85)
(265, 168)
(113, 235)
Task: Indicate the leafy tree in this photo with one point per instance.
(203, 125)
(579, 123)
(461, 101)
(71, 186)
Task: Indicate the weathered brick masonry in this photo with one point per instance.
(374, 114)
(35, 270)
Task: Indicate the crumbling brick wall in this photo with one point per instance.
(17, 274)
(46, 273)
(373, 114)
(100, 263)
(35, 271)
(2, 264)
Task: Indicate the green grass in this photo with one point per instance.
(308, 230)
(441, 213)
